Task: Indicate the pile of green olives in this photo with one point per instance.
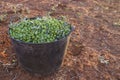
(39, 30)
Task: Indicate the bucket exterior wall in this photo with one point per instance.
(42, 58)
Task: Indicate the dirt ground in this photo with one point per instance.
(94, 49)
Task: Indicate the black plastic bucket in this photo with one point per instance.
(44, 58)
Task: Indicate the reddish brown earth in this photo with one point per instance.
(94, 49)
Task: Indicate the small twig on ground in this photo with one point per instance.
(6, 70)
(10, 65)
(15, 76)
(3, 53)
(103, 60)
(1, 62)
